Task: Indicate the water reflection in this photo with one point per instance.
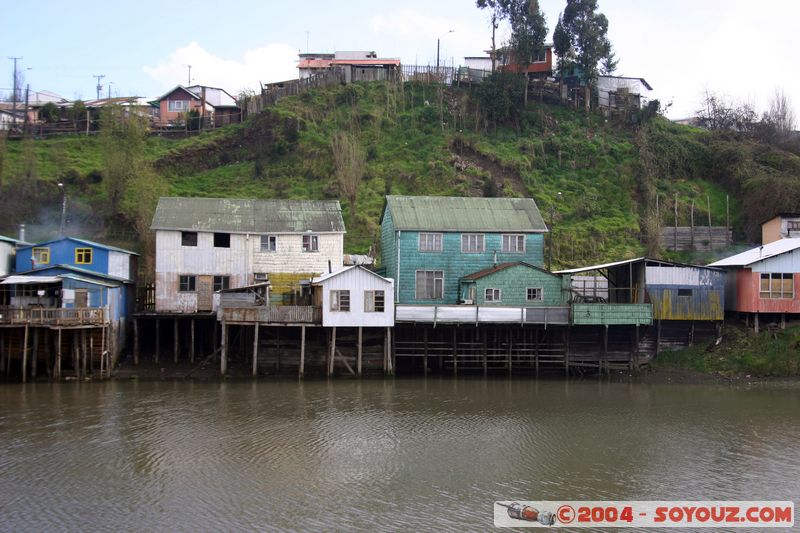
(404, 454)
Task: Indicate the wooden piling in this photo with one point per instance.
(455, 352)
(91, 353)
(333, 351)
(658, 336)
(255, 350)
(223, 364)
(425, 351)
(389, 351)
(509, 351)
(2, 354)
(302, 351)
(135, 341)
(158, 338)
(25, 354)
(58, 357)
(84, 354)
(191, 343)
(358, 360)
(35, 352)
(175, 341)
(103, 367)
(485, 349)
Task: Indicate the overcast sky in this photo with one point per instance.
(743, 50)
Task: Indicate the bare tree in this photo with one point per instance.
(781, 115)
(350, 161)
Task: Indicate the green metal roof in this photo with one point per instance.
(443, 213)
(248, 216)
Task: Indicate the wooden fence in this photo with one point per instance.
(53, 316)
(695, 238)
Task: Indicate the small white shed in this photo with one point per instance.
(355, 296)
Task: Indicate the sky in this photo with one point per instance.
(738, 49)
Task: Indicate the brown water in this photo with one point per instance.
(377, 455)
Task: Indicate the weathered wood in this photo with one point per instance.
(91, 354)
(191, 343)
(58, 357)
(35, 353)
(455, 352)
(302, 351)
(484, 351)
(332, 352)
(158, 338)
(25, 355)
(345, 363)
(509, 351)
(255, 350)
(135, 342)
(175, 341)
(358, 361)
(425, 351)
(223, 364)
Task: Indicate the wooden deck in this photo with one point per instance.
(53, 316)
(271, 314)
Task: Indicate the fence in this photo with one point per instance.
(52, 316)
(695, 238)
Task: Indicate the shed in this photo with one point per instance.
(516, 284)
(354, 296)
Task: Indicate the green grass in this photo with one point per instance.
(742, 352)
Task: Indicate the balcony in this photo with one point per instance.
(271, 314)
(53, 316)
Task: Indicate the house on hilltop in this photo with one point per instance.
(354, 65)
(212, 102)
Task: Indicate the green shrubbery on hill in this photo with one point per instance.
(425, 139)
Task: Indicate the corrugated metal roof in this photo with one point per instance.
(329, 275)
(647, 260)
(29, 280)
(443, 213)
(9, 239)
(81, 241)
(754, 255)
(248, 216)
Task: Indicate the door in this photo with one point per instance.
(81, 298)
(205, 293)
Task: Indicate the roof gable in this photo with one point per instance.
(69, 268)
(248, 216)
(443, 213)
(499, 268)
(79, 241)
(325, 277)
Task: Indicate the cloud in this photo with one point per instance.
(274, 62)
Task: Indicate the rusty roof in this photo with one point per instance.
(248, 215)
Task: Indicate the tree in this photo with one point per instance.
(350, 164)
(122, 142)
(78, 114)
(609, 62)
(780, 117)
(562, 44)
(587, 30)
(49, 112)
(528, 31)
(497, 13)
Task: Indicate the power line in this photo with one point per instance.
(99, 87)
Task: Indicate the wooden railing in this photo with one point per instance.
(53, 315)
(280, 314)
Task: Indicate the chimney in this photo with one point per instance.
(495, 258)
(22, 232)
(329, 267)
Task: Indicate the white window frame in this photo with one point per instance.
(177, 106)
(515, 239)
(773, 277)
(436, 290)
(310, 243)
(528, 294)
(370, 301)
(338, 303)
(430, 242)
(271, 244)
(473, 243)
(492, 294)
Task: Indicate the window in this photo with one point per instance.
(41, 256)
(472, 243)
(492, 295)
(534, 294)
(340, 300)
(310, 243)
(177, 106)
(777, 285)
(83, 256)
(430, 242)
(269, 243)
(430, 285)
(373, 301)
(188, 238)
(685, 292)
(260, 277)
(514, 244)
(539, 56)
(222, 240)
(221, 283)
(186, 283)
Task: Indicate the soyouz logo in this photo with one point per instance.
(678, 514)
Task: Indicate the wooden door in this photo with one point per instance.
(81, 298)
(205, 293)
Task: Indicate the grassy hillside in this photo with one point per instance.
(420, 139)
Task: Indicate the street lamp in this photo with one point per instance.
(63, 208)
(552, 230)
(437, 50)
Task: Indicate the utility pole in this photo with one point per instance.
(99, 86)
(109, 89)
(189, 78)
(15, 96)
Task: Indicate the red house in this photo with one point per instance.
(212, 102)
(764, 280)
(541, 66)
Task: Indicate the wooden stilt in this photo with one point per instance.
(425, 351)
(48, 349)
(175, 341)
(566, 352)
(390, 348)
(191, 343)
(2, 354)
(35, 353)
(158, 338)
(691, 334)
(358, 360)
(455, 352)
(103, 369)
(302, 351)
(58, 357)
(605, 349)
(76, 362)
(755, 322)
(783, 320)
(536, 350)
(25, 355)
(84, 354)
(223, 364)
(278, 353)
(135, 341)
(333, 351)
(484, 354)
(91, 353)
(509, 351)
(255, 350)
